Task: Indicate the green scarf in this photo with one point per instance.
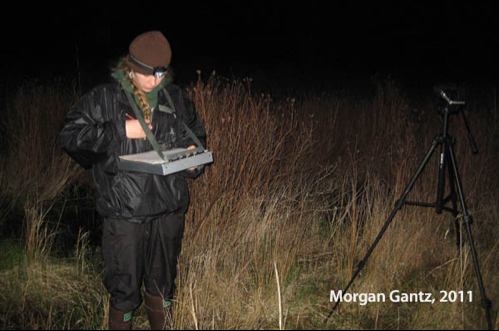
(152, 97)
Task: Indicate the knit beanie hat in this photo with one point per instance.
(148, 51)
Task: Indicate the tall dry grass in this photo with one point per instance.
(299, 189)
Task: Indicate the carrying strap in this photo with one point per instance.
(150, 135)
(173, 111)
(143, 124)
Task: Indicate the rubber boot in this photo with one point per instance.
(158, 312)
(119, 320)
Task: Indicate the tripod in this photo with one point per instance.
(445, 141)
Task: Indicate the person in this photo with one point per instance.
(143, 214)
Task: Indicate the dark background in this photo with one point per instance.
(307, 43)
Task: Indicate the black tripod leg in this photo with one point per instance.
(453, 198)
(467, 221)
(398, 206)
(441, 177)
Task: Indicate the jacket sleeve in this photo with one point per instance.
(90, 133)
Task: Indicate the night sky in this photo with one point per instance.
(310, 40)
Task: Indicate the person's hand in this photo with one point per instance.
(188, 148)
(134, 129)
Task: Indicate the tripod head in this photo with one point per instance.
(451, 96)
(453, 104)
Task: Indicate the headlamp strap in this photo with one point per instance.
(158, 72)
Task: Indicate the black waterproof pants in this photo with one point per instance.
(141, 252)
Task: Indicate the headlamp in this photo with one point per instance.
(158, 72)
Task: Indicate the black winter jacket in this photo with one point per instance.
(94, 135)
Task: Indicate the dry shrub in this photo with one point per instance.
(35, 164)
(249, 209)
(250, 137)
(35, 169)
